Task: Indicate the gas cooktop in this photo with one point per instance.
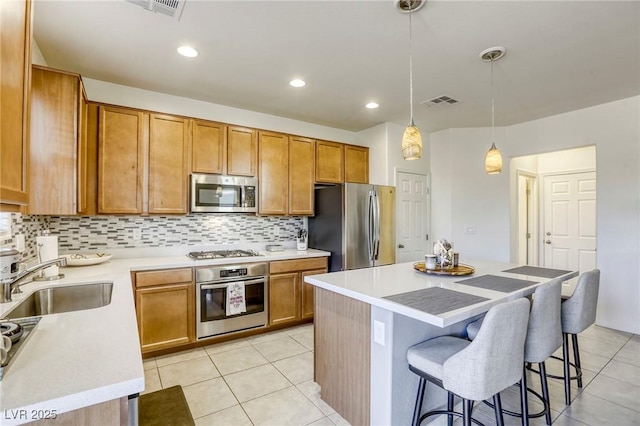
(221, 254)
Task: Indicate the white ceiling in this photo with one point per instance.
(561, 56)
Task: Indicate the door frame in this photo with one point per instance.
(397, 170)
(543, 176)
(535, 215)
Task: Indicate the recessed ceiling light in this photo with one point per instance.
(187, 51)
(297, 83)
(372, 105)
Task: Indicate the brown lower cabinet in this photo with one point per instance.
(290, 298)
(165, 308)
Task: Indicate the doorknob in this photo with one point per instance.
(548, 233)
(548, 242)
(400, 245)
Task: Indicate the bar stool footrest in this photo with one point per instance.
(514, 414)
(576, 377)
(446, 413)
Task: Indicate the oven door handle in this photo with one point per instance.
(225, 284)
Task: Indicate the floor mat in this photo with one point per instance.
(166, 407)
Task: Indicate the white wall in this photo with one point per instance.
(101, 91)
(36, 54)
(376, 139)
(482, 200)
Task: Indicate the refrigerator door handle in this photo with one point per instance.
(370, 224)
(377, 226)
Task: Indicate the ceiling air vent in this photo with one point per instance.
(172, 8)
(440, 102)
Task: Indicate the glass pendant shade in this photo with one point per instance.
(493, 161)
(411, 143)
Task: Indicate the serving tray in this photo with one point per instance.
(461, 269)
(86, 259)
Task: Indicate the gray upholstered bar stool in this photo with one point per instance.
(476, 370)
(578, 314)
(544, 337)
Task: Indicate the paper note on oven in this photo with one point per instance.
(236, 303)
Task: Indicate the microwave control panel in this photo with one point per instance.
(250, 196)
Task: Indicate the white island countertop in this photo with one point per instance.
(374, 285)
(77, 359)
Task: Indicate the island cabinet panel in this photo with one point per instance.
(356, 164)
(112, 412)
(57, 143)
(168, 164)
(209, 152)
(290, 298)
(273, 167)
(165, 303)
(122, 140)
(301, 175)
(241, 151)
(15, 68)
(342, 336)
(329, 162)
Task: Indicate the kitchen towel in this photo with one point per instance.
(48, 250)
(236, 303)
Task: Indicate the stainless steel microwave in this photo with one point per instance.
(223, 194)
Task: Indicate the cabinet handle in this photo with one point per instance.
(548, 242)
(400, 245)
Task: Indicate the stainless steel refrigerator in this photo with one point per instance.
(356, 223)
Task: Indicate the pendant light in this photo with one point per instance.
(493, 159)
(411, 139)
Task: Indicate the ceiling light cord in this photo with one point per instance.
(410, 66)
(493, 109)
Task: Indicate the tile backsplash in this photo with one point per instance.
(77, 233)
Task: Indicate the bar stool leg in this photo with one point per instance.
(567, 372)
(545, 392)
(450, 408)
(419, 398)
(524, 402)
(576, 356)
(467, 405)
(497, 407)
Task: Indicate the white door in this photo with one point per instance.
(412, 218)
(570, 221)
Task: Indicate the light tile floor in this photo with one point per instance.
(268, 380)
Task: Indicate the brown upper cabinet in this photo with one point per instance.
(209, 147)
(301, 175)
(143, 162)
(329, 162)
(15, 68)
(168, 164)
(241, 151)
(273, 177)
(122, 140)
(58, 144)
(356, 164)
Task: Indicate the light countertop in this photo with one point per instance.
(77, 359)
(372, 285)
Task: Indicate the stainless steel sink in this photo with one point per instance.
(56, 300)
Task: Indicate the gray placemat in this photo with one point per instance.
(494, 282)
(435, 300)
(537, 271)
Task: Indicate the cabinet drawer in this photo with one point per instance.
(165, 276)
(297, 265)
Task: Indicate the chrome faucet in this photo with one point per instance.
(10, 285)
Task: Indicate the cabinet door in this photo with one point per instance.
(54, 142)
(284, 299)
(301, 175)
(273, 166)
(241, 151)
(209, 147)
(15, 68)
(356, 164)
(83, 152)
(329, 162)
(168, 164)
(307, 294)
(165, 316)
(122, 138)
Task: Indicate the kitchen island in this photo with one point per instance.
(366, 319)
(89, 362)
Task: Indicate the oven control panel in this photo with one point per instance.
(230, 273)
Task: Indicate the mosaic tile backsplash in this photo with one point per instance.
(76, 233)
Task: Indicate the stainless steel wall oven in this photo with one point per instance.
(211, 298)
